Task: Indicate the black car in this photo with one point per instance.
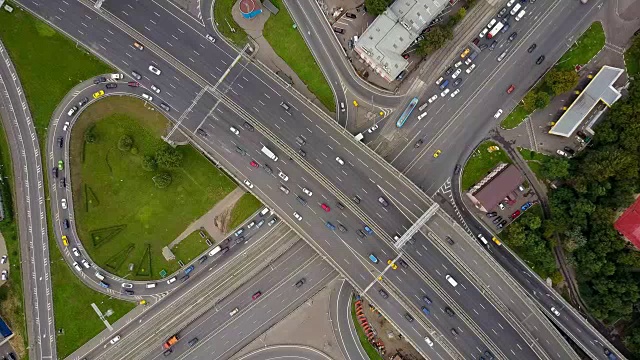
(497, 220)
(55, 172)
(449, 71)
(418, 143)
(569, 150)
(403, 264)
(493, 45)
(450, 240)
(360, 233)
(502, 223)
(492, 214)
(457, 169)
(201, 132)
(340, 205)
(457, 82)
(60, 141)
(240, 151)
(449, 311)
(83, 102)
(267, 168)
(65, 223)
(111, 85)
(540, 60)
(350, 15)
(300, 282)
(165, 107)
(356, 199)
(483, 46)
(426, 299)
(129, 292)
(247, 126)
(408, 317)
(63, 182)
(502, 12)
(531, 48)
(240, 239)
(454, 332)
(99, 80)
(512, 36)
(203, 259)
(302, 153)
(338, 30)
(383, 294)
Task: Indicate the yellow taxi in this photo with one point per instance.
(393, 265)
(98, 94)
(465, 52)
(65, 241)
(355, 103)
(495, 240)
(437, 153)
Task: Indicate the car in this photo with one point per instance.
(383, 294)
(283, 176)
(85, 263)
(540, 60)
(482, 47)
(449, 311)
(561, 153)
(393, 265)
(531, 48)
(127, 285)
(155, 89)
(297, 216)
(272, 221)
(72, 111)
(448, 72)
(342, 228)
(426, 299)
(254, 164)
(457, 169)
(75, 251)
(455, 74)
(98, 94)
(368, 230)
(455, 92)
(556, 312)
(465, 52)
(476, 41)
(569, 150)
(492, 214)
(483, 33)
(501, 224)
(339, 160)
(300, 282)
(506, 26)
(60, 165)
(307, 191)
(65, 240)
(339, 205)
(356, 199)
(512, 36)
(445, 92)
(404, 56)
(249, 226)
(373, 128)
(154, 70)
(383, 201)
(111, 85)
(256, 295)
(433, 98)
(330, 226)
(54, 171)
(3, 260)
(458, 64)
(210, 38)
(437, 153)
(248, 184)
(338, 30)
(172, 280)
(515, 214)
(408, 317)
(63, 203)
(454, 332)
(234, 130)
(497, 114)
(525, 206)
(138, 46)
(470, 68)
(428, 341)
(5, 275)
(501, 206)
(425, 310)
(439, 80)
(450, 240)
(325, 207)
(360, 233)
(267, 168)
(502, 12)
(493, 45)
(418, 143)
(350, 15)
(520, 15)
(457, 82)
(147, 97)
(510, 89)
(165, 107)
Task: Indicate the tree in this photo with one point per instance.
(125, 143)
(168, 157)
(434, 40)
(555, 168)
(529, 101)
(560, 81)
(162, 180)
(457, 17)
(149, 163)
(377, 7)
(542, 100)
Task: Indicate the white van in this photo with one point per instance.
(150, 285)
(451, 280)
(484, 241)
(269, 153)
(99, 276)
(264, 212)
(520, 15)
(515, 9)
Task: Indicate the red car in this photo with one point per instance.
(515, 214)
(256, 295)
(405, 56)
(326, 207)
(133, 83)
(254, 164)
(510, 89)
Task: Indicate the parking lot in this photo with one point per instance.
(510, 208)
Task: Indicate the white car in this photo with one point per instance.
(457, 65)
(4, 259)
(210, 38)
(248, 184)
(483, 33)
(155, 88)
(456, 92)
(127, 285)
(470, 68)
(297, 216)
(283, 176)
(445, 92)
(85, 263)
(422, 115)
(63, 203)
(172, 280)
(501, 206)
(234, 130)
(433, 98)
(75, 251)
(561, 153)
(154, 70)
(5, 275)
(439, 80)
(373, 128)
(556, 312)
(498, 113)
(115, 339)
(307, 191)
(429, 341)
(147, 97)
(491, 23)
(339, 160)
(66, 126)
(117, 76)
(77, 266)
(455, 74)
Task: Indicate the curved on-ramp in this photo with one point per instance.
(293, 352)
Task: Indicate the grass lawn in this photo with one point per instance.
(11, 298)
(290, 46)
(368, 348)
(72, 303)
(587, 46)
(224, 21)
(245, 207)
(481, 163)
(514, 118)
(49, 64)
(191, 246)
(632, 57)
(120, 215)
(534, 161)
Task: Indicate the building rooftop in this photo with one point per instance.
(494, 191)
(628, 224)
(600, 88)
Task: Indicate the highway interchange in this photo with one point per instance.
(247, 93)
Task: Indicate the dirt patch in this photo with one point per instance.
(222, 221)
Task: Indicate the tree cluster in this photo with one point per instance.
(555, 82)
(377, 7)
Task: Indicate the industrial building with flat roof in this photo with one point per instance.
(600, 88)
(390, 34)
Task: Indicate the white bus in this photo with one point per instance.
(495, 30)
(269, 153)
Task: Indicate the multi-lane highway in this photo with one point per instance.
(207, 89)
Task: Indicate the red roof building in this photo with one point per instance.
(628, 224)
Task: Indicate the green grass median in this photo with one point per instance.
(245, 207)
(481, 163)
(368, 348)
(225, 23)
